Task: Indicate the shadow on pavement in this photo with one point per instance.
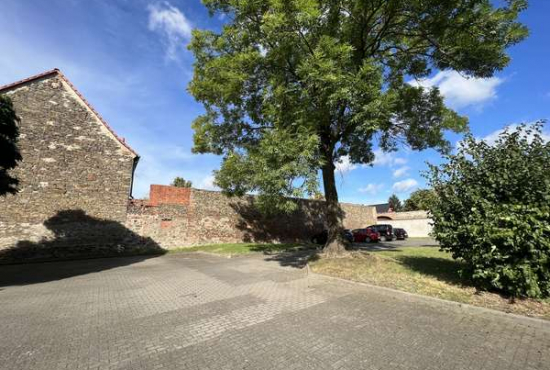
(34, 273)
(297, 258)
(75, 235)
(396, 244)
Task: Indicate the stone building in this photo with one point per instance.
(73, 163)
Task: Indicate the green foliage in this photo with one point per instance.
(180, 182)
(9, 153)
(395, 203)
(291, 86)
(420, 199)
(493, 211)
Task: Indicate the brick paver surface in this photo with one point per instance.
(203, 312)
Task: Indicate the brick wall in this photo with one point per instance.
(162, 194)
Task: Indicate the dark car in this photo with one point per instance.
(400, 234)
(321, 238)
(385, 231)
(365, 235)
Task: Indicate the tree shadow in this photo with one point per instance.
(273, 248)
(441, 268)
(290, 254)
(257, 226)
(76, 235)
(298, 258)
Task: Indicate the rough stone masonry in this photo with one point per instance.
(179, 217)
(75, 171)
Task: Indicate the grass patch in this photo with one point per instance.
(240, 248)
(426, 271)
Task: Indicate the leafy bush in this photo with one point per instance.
(493, 210)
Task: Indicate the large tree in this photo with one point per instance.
(180, 182)
(291, 87)
(394, 203)
(9, 152)
(420, 200)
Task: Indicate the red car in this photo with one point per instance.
(366, 235)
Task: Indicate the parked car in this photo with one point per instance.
(348, 235)
(365, 235)
(321, 238)
(400, 234)
(385, 231)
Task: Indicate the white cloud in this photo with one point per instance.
(459, 91)
(405, 185)
(344, 165)
(400, 172)
(399, 161)
(382, 158)
(493, 136)
(208, 183)
(172, 24)
(372, 189)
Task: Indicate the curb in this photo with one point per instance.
(540, 323)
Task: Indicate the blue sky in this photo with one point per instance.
(129, 59)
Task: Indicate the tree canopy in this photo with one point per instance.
(420, 200)
(290, 87)
(395, 203)
(9, 152)
(180, 182)
(492, 210)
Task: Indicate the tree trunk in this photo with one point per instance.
(336, 243)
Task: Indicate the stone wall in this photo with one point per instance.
(166, 224)
(72, 165)
(211, 217)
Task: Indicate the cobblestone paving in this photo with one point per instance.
(202, 312)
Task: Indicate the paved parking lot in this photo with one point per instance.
(203, 312)
(396, 244)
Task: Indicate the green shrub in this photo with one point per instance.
(493, 210)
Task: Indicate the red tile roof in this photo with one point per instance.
(57, 72)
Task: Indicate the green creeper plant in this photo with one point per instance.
(492, 210)
(290, 87)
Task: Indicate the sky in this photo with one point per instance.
(129, 59)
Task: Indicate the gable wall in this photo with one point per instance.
(71, 161)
